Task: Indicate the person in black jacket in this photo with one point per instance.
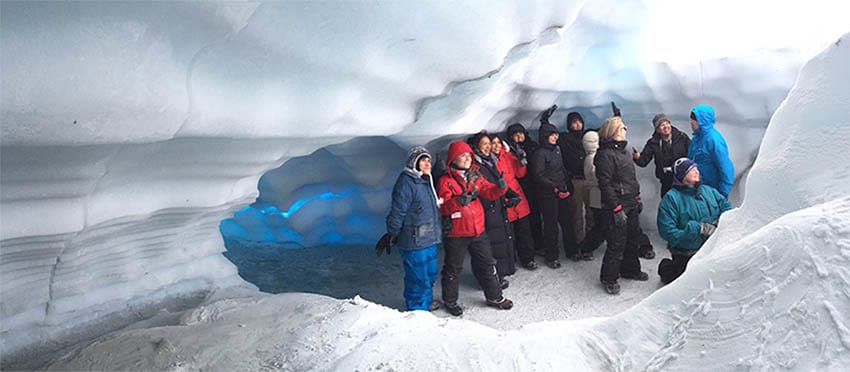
(619, 188)
(572, 151)
(523, 146)
(665, 146)
(496, 223)
(553, 190)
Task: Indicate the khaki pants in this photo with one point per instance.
(579, 209)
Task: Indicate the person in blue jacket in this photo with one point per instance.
(414, 228)
(709, 151)
(687, 216)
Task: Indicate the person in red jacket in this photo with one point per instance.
(460, 188)
(516, 202)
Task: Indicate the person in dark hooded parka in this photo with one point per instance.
(496, 222)
(523, 147)
(553, 188)
(413, 224)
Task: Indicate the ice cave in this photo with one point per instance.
(200, 185)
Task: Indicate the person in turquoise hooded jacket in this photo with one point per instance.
(709, 151)
(687, 216)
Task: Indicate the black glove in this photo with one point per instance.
(620, 218)
(383, 245)
(615, 109)
(522, 156)
(466, 198)
(501, 183)
(446, 222)
(548, 112)
(512, 199)
(706, 229)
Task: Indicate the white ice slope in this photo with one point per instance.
(768, 292)
(129, 130)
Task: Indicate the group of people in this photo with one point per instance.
(503, 199)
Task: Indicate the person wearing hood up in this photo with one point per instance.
(666, 145)
(687, 216)
(515, 201)
(523, 146)
(413, 225)
(460, 189)
(572, 151)
(709, 151)
(619, 190)
(496, 222)
(553, 189)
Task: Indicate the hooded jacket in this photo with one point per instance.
(664, 154)
(511, 169)
(547, 166)
(572, 150)
(682, 210)
(590, 142)
(708, 149)
(467, 220)
(414, 218)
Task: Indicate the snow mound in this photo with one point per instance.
(768, 292)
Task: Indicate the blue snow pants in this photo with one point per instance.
(420, 273)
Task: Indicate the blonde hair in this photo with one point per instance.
(610, 127)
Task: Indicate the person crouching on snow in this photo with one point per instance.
(413, 225)
(687, 216)
(460, 188)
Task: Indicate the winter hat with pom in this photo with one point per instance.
(413, 156)
(681, 168)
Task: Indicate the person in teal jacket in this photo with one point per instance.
(709, 151)
(687, 216)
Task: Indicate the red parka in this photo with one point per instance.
(467, 220)
(512, 170)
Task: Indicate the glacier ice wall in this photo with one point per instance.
(129, 130)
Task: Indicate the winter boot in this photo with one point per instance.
(504, 283)
(454, 309)
(576, 257)
(530, 265)
(435, 305)
(648, 254)
(587, 256)
(612, 288)
(554, 264)
(501, 304)
(640, 276)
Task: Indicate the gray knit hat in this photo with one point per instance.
(659, 119)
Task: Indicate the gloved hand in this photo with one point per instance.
(383, 245)
(620, 217)
(615, 109)
(466, 198)
(512, 199)
(640, 204)
(521, 156)
(706, 229)
(549, 112)
(502, 183)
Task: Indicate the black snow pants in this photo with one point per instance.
(621, 255)
(557, 212)
(483, 267)
(524, 242)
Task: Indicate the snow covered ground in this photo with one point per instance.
(768, 291)
(131, 130)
